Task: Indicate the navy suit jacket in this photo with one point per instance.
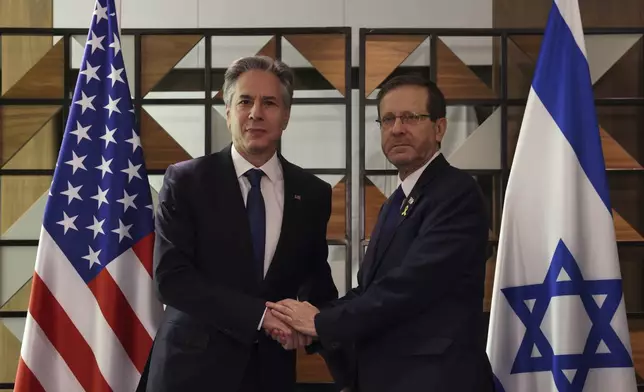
(203, 271)
(415, 321)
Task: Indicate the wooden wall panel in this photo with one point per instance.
(161, 53)
(20, 53)
(19, 301)
(312, 368)
(9, 355)
(594, 13)
(336, 228)
(18, 124)
(456, 79)
(161, 150)
(373, 200)
(44, 79)
(384, 53)
(326, 53)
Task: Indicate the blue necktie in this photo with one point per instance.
(389, 225)
(257, 218)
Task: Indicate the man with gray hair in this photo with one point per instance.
(234, 230)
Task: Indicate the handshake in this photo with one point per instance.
(291, 323)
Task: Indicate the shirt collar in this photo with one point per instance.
(410, 182)
(272, 168)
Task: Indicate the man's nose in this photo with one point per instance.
(256, 112)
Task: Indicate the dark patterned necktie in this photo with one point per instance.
(257, 218)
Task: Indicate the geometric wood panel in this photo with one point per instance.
(336, 228)
(19, 193)
(18, 124)
(625, 77)
(19, 301)
(44, 79)
(520, 71)
(20, 53)
(325, 52)
(384, 53)
(161, 53)
(40, 152)
(623, 230)
(160, 149)
(373, 200)
(594, 13)
(636, 329)
(614, 154)
(456, 79)
(9, 354)
(312, 368)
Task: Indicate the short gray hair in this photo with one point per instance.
(263, 63)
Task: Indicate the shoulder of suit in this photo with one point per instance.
(311, 180)
(192, 166)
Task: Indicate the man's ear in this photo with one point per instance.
(440, 127)
(285, 119)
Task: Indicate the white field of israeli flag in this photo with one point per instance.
(558, 321)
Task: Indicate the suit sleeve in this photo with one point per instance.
(441, 253)
(179, 284)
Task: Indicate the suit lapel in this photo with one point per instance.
(379, 245)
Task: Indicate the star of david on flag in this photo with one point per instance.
(93, 313)
(558, 322)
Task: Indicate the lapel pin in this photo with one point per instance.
(404, 213)
(411, 200)
(297, 197)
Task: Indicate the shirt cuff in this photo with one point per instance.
(262, 320)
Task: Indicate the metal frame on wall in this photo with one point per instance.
(207, 102)
(503, 101)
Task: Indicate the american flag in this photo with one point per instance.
(93, 313)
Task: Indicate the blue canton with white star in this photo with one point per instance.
(600, 318)
(99, 202)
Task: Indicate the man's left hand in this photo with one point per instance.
(299, 315)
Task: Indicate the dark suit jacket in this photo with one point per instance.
(415, 320)
(203, 271)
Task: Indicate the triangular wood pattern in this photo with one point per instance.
(39, 152)
(160, 54)
(9, 355)
(19, 301)
(326, 52)
(336, 229)
(44, 79)
(159, 148)
(373, 200)
(624, 232)
(615, 156)
(18, 124)
(384, 53)
(456, 79)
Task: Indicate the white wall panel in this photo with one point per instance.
(261, 13)
(164, 14)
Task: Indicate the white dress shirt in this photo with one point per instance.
(410, 182)
(272, 185)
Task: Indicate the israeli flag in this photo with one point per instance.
(557, 321)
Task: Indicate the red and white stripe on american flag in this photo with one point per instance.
(94, 337)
